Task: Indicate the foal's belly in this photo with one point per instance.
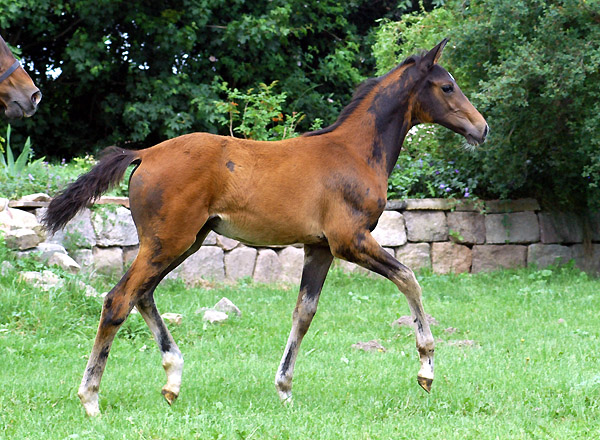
(264, 232)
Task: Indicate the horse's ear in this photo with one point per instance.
(433, 55)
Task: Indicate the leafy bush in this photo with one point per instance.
(533, 70)
(257, 114)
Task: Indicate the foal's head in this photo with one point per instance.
(439, 100)
(18, 94)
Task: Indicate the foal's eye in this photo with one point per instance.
(448, 88)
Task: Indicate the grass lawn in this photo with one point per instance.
(532, 371)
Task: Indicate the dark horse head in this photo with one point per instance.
(18, 93)
(441, 101)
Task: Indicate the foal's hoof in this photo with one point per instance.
(169, 396)
(425, 383)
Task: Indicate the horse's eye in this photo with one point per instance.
(448, 88)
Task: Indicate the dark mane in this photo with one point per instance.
(360, 93)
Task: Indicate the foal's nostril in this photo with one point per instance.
(486, 130)
(36, 98)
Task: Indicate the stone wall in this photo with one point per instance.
(442, 235)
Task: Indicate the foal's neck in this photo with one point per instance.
(378, 126)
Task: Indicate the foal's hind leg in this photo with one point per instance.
(317, 260)
(117, 306)
(155, 259)
(172, 359)
(361, 248)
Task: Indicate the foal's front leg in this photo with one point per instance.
(317, 260)
(361, 248)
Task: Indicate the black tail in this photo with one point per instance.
(104, 175)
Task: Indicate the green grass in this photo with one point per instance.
(527, 376)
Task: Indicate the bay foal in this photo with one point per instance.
(325, 189)
(18, 93)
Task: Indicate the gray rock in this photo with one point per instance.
(11, 218)
(587, 257)
(213, 316)
(225, 305)
(173, 318)
(79, 232)
(129, 254)
(240, 262)
(448, 257)
(469, 227)
(21, 239)
(87, 289)
(390, 230)
(211, 239)
(560, 227)
(544, 255)
(292, 262)
(45, 280)
(85, 259)
(429, 204)
(205, 265)
(108, 260)
(64, 262)
(226, 243)
(415, 255)
(6, 267)
(426, 226)
(114, 227)
(268, 267)
(518, 227)
(493, 257)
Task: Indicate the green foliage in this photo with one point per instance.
(40, 176)
(533, 70)
(10, 167)
(257, 114)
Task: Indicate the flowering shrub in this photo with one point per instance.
(428, 176)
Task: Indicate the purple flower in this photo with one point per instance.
(442, 186)
(31, 178)
(437, 172)
(448, 189)
(456, 171)
(467, 194)
(63, 161)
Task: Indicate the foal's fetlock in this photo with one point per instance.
(89, 400)
(284, 389)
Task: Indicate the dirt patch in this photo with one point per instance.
(464, 343)
(373, 345)
(409, 321)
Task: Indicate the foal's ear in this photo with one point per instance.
(433, 55)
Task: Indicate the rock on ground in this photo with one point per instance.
(225, 305)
